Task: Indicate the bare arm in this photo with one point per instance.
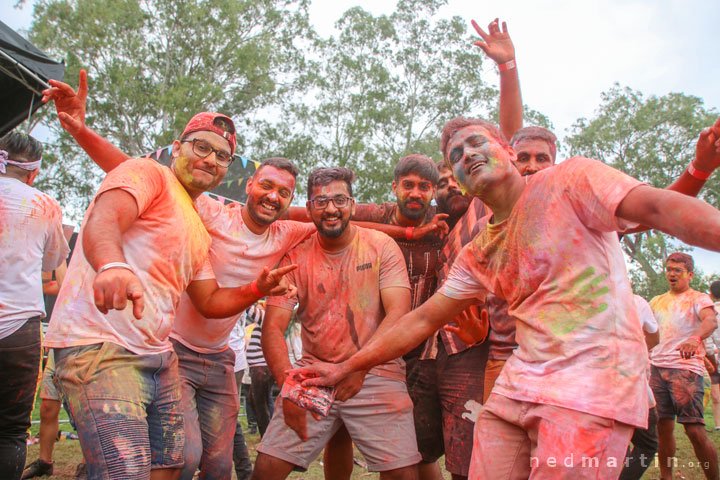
(689, 219)
(708, 324)
(215, 302)
(70, 106)
(273, 342)
(112, 215)
(497, 45)
(50, 286)
(652, 339)
(393, 339)
(707, 159)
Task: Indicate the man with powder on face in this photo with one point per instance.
(245, 239)
(144, 242)
(32, 242)
(561, 270)
(686, 317)
(352, 281)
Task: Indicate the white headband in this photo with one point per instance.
(4, 160)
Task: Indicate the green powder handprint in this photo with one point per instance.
(585, 291)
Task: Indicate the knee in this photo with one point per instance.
(192, 453)
(695, 432)
(49, 410)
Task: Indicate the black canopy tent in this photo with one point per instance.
(24, 72)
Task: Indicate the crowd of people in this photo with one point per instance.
(485, 315)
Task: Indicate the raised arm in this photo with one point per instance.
(70, 106)
(708, 324)
(112, 215)
(497, 45)
(215, 302)
(393, 339)
(689, 219)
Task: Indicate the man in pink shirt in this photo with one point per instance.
(352, 281)
(142, 241)
(561, 270)
(686, 317)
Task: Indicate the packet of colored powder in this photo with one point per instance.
(315, 398)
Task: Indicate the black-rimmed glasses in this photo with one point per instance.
(203, 149)
(339, 201)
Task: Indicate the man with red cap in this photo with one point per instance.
(142, 241)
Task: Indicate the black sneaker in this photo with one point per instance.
(81, 472)
(38, 468)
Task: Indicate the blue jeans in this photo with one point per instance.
(126, 408)
(210, 402)
(20, 355)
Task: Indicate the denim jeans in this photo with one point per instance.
(210, 402)
(261, 384)
(20, 355)
(126, 408)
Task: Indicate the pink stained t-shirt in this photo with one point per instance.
(557, 261)
(237, 256)
(339, 303)
(167, 247)
(678, 316)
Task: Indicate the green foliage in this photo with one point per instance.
(652, 139)
(153, 64)
(380, 89)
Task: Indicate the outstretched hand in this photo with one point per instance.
(114, 287)
(274, 283)
(320, 373)
(496, 43)
(70, 105)
(472, 328)
(707, 151)
(438, 225)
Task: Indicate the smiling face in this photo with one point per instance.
(533, 155)
(269, 192)
(477, 159)
(331, 221)
(677, 276)
(414, 194)
(449, 197)
(195, 173)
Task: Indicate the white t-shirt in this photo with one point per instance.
(237, 256)
(678, 316)
(557, 261)
(167, 246)
(649, 325)
(31, 242)
(236, 342)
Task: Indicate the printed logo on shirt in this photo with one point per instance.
(364, 266)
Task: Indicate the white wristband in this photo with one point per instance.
(110, 265)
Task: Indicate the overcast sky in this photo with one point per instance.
(569, 51)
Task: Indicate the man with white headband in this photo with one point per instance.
(31, 241)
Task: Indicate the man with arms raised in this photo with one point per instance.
(353, 280)
(563, 275)
(686, 317)
(142, 241)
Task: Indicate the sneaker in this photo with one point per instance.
(81, 472)
(252, 429)
(38, 468)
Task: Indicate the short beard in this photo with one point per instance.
(335, 233)
(260, 220)
(412, 214)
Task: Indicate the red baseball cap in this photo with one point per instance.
(213, 122)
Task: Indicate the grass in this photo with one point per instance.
(67, 454)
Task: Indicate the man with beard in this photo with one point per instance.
(245, 240)
(353, 280)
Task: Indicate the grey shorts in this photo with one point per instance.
(47, 387)
(379, 419)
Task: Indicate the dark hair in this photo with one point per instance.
(419, 164)
(324, 176)
(536, 133)
(441, 166)
(715, 289)
(683, 258)
(458, 123)
(281, 163)
(21, 147)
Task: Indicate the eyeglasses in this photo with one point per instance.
(339, 201)
(203, 149)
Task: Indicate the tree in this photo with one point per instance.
(154, 63)
(652, 139)
(381, 89)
